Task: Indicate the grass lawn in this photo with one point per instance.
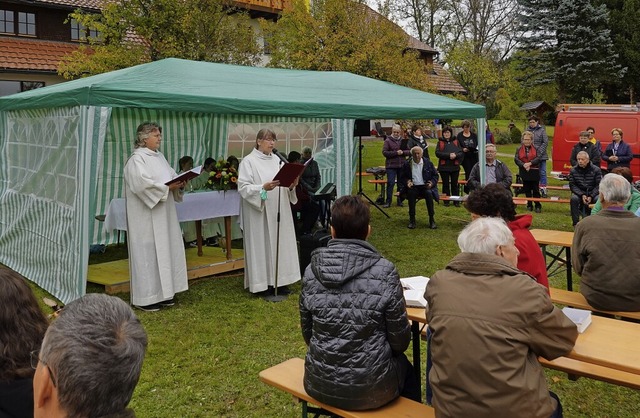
(205, 353)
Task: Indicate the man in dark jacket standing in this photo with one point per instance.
(354, 319)
(584, 180)
(419, 179)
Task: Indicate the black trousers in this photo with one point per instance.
(531, 189)
(450, 182)
(413, 194)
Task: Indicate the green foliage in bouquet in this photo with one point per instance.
(224, 176)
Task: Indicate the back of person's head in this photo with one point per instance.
(614, 189)
(350, 218)
(294, 157)
(491, 200)
(143, 132)
(624, 172)
(94, 351)
(484, 235)
(22, 326)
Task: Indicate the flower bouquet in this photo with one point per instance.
(223, 177)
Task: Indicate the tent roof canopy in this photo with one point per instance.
(195, 86)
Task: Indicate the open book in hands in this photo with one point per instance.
(414, 288)
(186, 176)
(289, 172)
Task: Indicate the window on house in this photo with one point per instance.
(80, 33)
(8, 87)
(6, 21)
(26, 23)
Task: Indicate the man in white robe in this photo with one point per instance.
(259, 220)
(157, 264)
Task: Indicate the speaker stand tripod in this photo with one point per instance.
(360, 192)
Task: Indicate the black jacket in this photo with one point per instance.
(585, 181)
(589, 148)
(354, 321)
(421, 142)
(443, 149)
(429, 174)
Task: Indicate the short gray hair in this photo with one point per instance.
(484, 235)
(491, 146)
(94, 350)
(143, 132)
(584, 153)
(614, 189)
(307, 150)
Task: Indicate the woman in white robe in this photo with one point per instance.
(259, 220)
(157, 264)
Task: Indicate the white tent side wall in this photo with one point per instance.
(49, 171)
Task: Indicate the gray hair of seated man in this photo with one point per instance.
(614, 189)
(584, 154)
(94, 350)
(484, 235)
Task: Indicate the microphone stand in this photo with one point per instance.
(276, 297)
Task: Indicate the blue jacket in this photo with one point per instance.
(624, 155)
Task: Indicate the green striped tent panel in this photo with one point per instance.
(45, 203)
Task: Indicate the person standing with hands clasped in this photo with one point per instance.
(395, 156)
(157, 263)
(264, 236)
(527, 159)
(450, 156)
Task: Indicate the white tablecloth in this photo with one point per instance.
(195, 206)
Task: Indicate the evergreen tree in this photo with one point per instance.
(568, 42)
(624, 18)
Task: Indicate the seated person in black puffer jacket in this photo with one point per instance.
(354, 318)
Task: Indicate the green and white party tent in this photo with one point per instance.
(63, 147)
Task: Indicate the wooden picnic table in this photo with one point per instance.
(563, 239)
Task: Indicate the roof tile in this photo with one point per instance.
(32, 54)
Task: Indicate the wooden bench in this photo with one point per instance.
(288, 376)
(575, 368)
(577, 300)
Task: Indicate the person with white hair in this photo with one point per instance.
(90, 360)
(605, 250)
(584, 180)
(489, 322)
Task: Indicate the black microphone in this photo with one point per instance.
(282, 157)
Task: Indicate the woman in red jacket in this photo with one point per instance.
(496, 201)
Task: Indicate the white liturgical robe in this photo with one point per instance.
(157, 264)
(259, 223)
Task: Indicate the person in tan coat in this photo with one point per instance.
(489, 323)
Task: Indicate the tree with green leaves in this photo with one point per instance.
(134, 32)
(344, 35)
(624, 18)
(568, 42)
(478, 73)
